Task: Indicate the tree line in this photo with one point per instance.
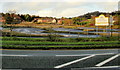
(13, 18)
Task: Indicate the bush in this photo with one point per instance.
(53, 37)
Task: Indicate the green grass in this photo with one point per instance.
(62, 39)
(22, 39)
(57, 43)
(68, 43)
(72, 47)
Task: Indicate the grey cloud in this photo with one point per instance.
(58, 8)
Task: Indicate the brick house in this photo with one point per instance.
(65, 21)
(60, 21)
(2, 19)
(16, 19)
(45, 20)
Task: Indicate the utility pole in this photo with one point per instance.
(111, 23)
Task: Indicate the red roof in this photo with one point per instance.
(2, 19)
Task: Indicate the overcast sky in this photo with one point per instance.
(58, 8)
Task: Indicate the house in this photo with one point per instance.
(2, 19)
(16, 19)
(54, 21)
(60, 21)
(65, 21)
(45, 20)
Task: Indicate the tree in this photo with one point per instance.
(8, 18)
(77, 20)
(28, 17)
(2, 14)
(63, 22)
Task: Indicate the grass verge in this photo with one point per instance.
(59, 43)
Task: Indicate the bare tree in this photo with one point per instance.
(12, 13)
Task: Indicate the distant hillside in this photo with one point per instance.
(97, 13)
(88, 19)
(85, 20)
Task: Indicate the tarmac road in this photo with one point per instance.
(106, 59)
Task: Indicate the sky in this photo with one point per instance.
(58, 8)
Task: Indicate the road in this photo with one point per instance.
(106, 59)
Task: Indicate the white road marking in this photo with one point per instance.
(107, 60)
(75, 61)
(99, 67)
(106, 67)
(11, 55)
(57, 55)
(88, 54)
